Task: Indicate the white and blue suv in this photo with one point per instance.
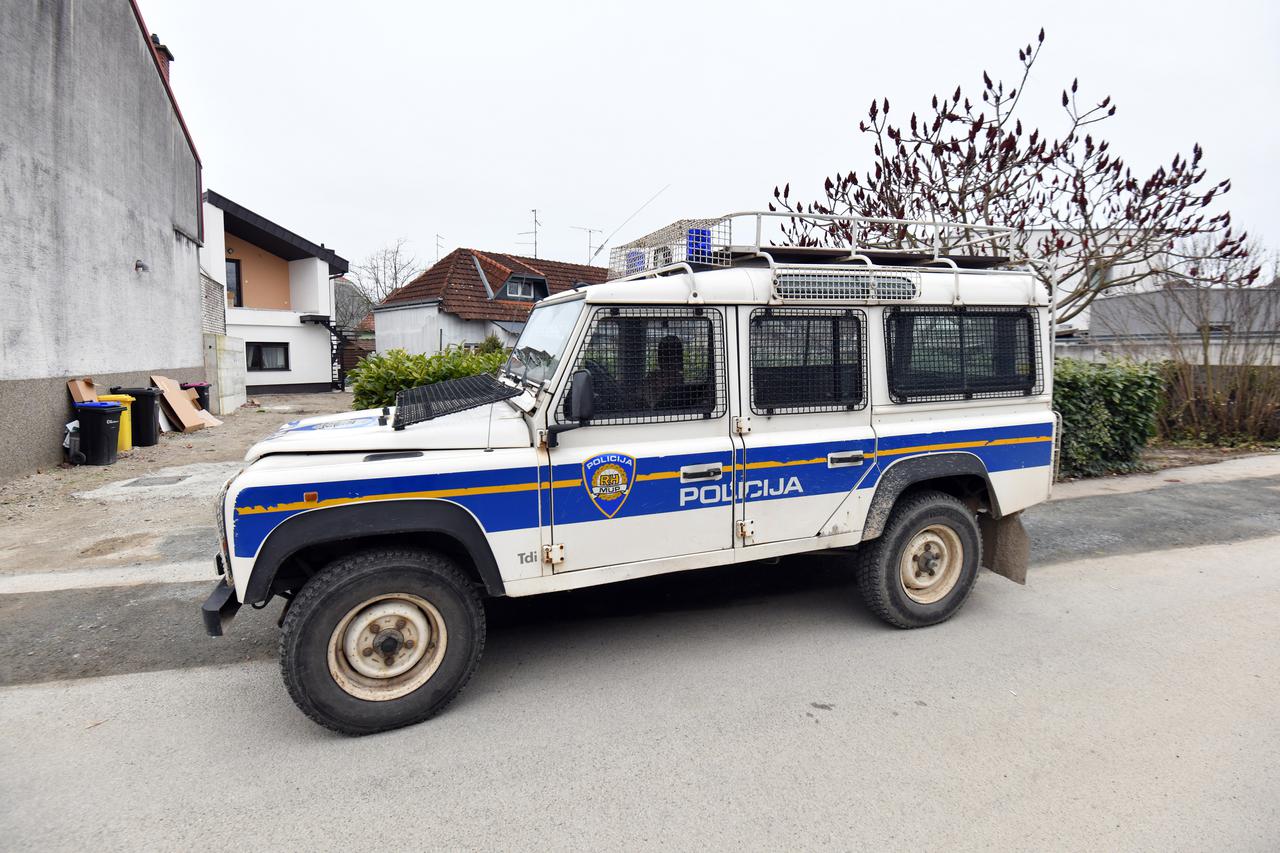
(714, 403)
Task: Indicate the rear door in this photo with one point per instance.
(805, 393)
(651, 477)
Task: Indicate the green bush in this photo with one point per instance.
(1108, 414)
(377, 377)
(490, 344)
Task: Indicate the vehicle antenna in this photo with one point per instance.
(600, 248)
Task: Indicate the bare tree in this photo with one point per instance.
(351, 305)
(385, 270)
(1099, 224)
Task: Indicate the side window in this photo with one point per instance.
(961, 353)
(653, 365)
(807, 360)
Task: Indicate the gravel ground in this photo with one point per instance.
(47, 527)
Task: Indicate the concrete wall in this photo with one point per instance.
(224, 365)
(425, 328)
(95, 174)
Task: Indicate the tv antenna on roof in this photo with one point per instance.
(590, 242)
(439, 245)
(534, 232)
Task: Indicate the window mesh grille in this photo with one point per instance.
(425, 402)
(807, 360)
(961, 353)
(654, 365)
(843, 284)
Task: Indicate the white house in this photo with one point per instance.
(280, 301)
(470, 294)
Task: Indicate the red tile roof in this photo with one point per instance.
(367, 324)
(456, 283)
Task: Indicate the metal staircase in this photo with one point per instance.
(338, 342)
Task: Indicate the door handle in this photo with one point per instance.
(701, 472)
(847, 457)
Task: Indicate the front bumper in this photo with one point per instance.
(219, 608)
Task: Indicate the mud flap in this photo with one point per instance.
(1006, 548)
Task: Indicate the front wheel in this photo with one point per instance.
(923, 566)
(381, 639)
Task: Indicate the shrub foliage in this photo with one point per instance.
(377, 378)
(1108, 413)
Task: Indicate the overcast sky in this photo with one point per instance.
(357, 123)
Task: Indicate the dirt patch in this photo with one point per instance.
(73, 518)
(115, 546)
(1160, 457)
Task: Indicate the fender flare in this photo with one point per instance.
(906, 472)
(376, 518)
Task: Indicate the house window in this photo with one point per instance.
(267, 356)
(235, 296)
(519, 288)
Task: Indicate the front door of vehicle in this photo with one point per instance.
(805, 392)
(651, 475)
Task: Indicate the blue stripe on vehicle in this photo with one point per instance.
(521, 498)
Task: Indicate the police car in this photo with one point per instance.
(719, 400)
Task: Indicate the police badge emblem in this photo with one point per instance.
(608, 478)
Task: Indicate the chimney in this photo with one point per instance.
(163, 54)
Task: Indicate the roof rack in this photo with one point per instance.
(750, 236)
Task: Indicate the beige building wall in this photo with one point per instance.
(264, 278)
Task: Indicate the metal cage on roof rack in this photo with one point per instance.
(789, 238)
(703, 242)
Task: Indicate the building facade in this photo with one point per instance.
(101, 222)
(279, 298)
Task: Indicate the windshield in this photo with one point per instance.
(542, 342)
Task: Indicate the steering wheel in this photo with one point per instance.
(608, 392)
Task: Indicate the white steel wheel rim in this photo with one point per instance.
(931, 563)
(387, 647)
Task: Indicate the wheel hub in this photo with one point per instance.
(931, 563)
(387, 647)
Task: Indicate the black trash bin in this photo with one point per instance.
(146, 414)
(99, 431)
(202, 392)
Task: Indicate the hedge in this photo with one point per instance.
(377, 377)
(1108, 414)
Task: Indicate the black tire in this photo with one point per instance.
(877, 563)
(327, 600)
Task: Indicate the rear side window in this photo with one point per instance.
(961, 353)
(807, 360)
(652, 365)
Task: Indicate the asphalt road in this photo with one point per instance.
(1126, 698)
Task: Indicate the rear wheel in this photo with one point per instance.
(381, 639)
(923, 566)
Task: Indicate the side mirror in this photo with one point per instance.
(581, 402)
(579, 406)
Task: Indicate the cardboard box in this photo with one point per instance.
(83, 390)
